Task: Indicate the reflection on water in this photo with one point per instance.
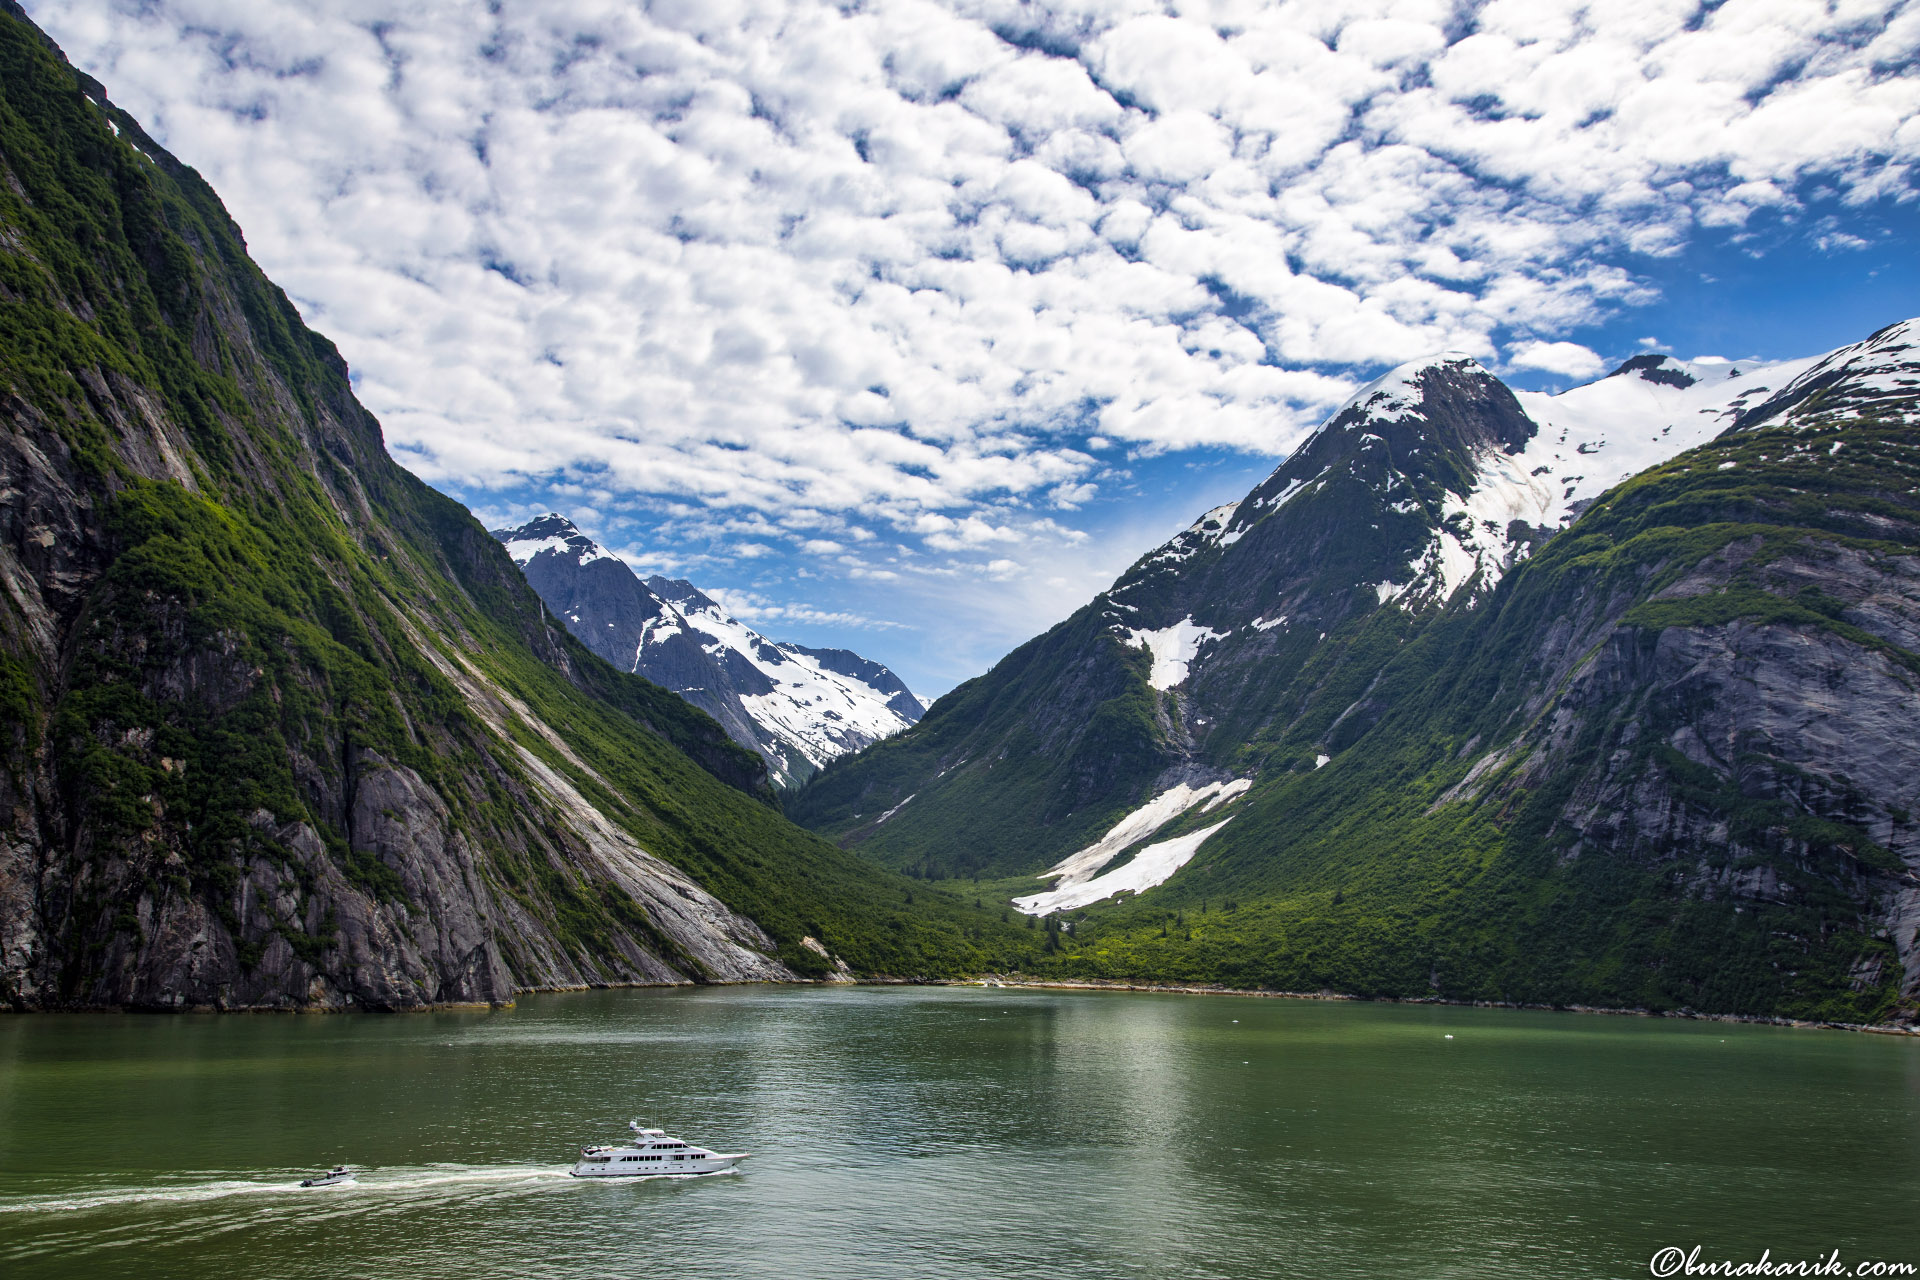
(949, 1132)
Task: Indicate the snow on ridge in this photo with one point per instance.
(1078, 878)
(524, 549)
(1587, 440)
(1173, 649)
(566, 539)
(1211, 529)
(1294, 486)
(1594, 436)
(1212, 522)
(1863, 375)
(821, 714)
(1396, 394)
(811, 711)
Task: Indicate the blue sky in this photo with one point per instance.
(904, 325)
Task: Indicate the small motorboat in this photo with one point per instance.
(651, 1153)
(338, 1176)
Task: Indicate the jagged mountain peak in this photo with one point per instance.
(1403, 390)
(797, 707)
(1412, 440)
(1655, 367)
(554, 535)
(683, 593)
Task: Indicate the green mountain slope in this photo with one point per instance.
(1663, 767)
(1033, 760)
(1669, 760)
(282, 726)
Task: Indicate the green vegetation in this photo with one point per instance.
(1382, 874)
(272, 607)
(1356, 878)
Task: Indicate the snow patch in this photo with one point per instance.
(1281, 499)
(1173, 648)
(1587, 440)
(584, 550)
(1595, 436)
(1397, 395)
(1077, 877)
(1153, 865)
(897, 808)
(816, 712)
(1209, 530)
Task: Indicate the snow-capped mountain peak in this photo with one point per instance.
(1401, 392)
(555, 535)
(797, 707)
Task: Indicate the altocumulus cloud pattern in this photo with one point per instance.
(902, 284)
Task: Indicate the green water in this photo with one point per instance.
(936, 1132)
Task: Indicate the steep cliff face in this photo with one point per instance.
(281, 726)
(1713, 682)
(1443, 707)
(795, 707)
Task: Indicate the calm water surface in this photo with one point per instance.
(949, 1132)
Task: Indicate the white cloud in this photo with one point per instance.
(882, 268)
(1568, 358)
(759, 610)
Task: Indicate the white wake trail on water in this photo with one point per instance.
(371, 1185)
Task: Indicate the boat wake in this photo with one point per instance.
(369, 1185)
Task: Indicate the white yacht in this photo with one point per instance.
(338, 1176)
(650, 1153)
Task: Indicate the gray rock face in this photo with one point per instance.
(1797, 721)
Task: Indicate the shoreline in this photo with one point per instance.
(990, 980)
(1210, 989)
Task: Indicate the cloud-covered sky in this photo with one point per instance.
(908, 323)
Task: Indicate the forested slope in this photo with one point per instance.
(279, 724)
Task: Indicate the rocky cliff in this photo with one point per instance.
(280, 726)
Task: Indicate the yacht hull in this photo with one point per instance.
(682, 1169)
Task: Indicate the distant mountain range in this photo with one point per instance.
(797, 707)
(1604, 697)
